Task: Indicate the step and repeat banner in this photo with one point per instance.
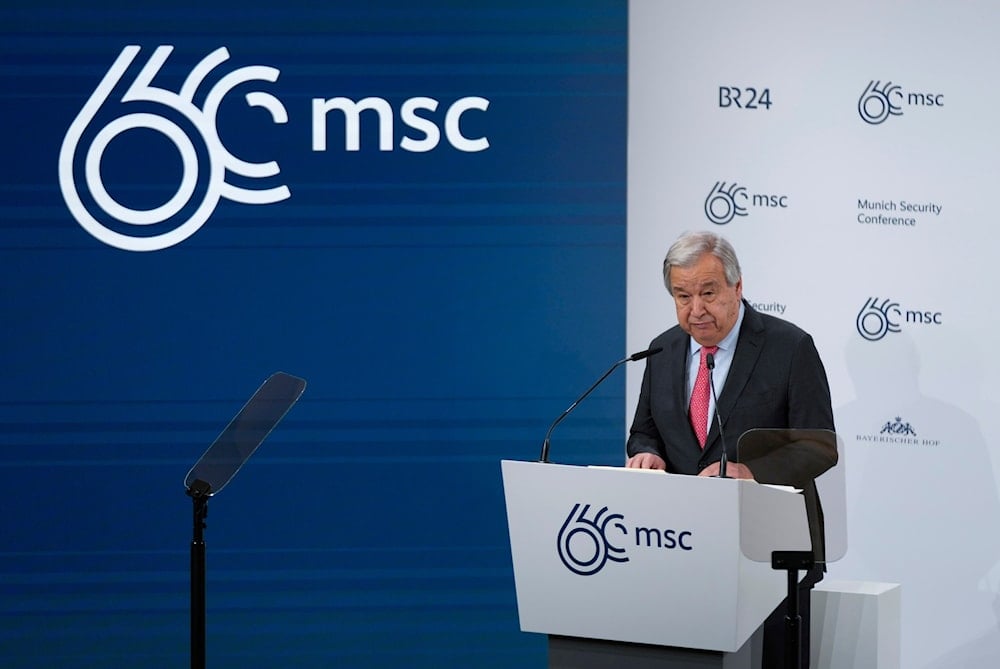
(849, 153)
(419, 208)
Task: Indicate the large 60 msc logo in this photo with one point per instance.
(220, 160)
(206, 173)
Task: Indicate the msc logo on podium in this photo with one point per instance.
(585, 544)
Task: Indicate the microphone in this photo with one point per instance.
(724, 460)
(544, 457)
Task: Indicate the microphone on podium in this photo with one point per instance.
(544, 457)
(724, 460)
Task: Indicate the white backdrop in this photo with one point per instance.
(900, 306)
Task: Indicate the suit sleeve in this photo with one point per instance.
(809, 402)
(644, 437)
(809, 408)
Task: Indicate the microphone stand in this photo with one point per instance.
(544, 457)
(724, 460)
(199, 493)
(792, 562)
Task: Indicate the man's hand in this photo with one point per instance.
(734, 470)
(646, 461)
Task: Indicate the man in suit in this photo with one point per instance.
(767, 373)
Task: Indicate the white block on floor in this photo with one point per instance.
(855, 625)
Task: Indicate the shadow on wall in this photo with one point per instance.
(923, 508)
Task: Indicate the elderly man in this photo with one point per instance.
(767, 373)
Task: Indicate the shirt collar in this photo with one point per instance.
(728, 342)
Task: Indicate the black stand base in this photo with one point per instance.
(567, 652)
(793, 562)
(199, 493)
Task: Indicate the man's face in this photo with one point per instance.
(707, 308)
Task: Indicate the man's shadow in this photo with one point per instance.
(922, 506)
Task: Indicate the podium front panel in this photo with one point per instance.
(634, 556)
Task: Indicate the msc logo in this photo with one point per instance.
(583, 543)
(880, 100)
(877, 319)
(898, 427)
(210, 172)
(221, 163)
(727, 201)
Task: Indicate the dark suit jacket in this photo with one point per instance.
(776, 380)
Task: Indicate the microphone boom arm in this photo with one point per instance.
(544, 457)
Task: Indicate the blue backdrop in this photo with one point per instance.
(444, 306)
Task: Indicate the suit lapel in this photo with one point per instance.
(749, 345)
(679, 350)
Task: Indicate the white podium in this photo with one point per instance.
(646, 565)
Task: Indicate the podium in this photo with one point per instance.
(636, 568)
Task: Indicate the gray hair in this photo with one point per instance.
(691, 246)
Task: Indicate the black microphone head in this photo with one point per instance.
(645, 354)
(710, 361)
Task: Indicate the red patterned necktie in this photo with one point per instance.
(700, 397)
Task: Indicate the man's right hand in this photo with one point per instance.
(646, 461)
